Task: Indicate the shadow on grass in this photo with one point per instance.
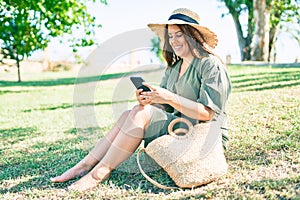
(259, 74)
(128, 175)
(14, 135)
(70, 81)
(62, 81)
(31, 167)
(265, 81)
(48, 160)
(12, 91)
(69, 105)
(291, 184)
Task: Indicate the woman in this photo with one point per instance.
(195, 85)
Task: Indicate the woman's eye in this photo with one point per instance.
(176, 35)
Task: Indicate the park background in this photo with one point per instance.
(39, 137)
(120, 17)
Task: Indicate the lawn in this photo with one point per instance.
(46, 127)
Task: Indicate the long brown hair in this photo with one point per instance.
(195, 40)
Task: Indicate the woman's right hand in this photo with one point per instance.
(141, 99)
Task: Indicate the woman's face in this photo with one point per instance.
(178, 42)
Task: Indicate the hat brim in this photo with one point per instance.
(209, 36)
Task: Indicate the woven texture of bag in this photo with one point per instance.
(192, 159)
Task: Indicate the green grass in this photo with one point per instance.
(39, 137)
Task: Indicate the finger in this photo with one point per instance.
(153, 88)
(145, 101)
(140, 97)
(138, 92)
(143, 97)
(146, 93)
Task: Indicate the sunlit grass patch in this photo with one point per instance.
(39, 139)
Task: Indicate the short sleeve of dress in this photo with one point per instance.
(215, 85)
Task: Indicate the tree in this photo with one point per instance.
(260, 40)
(265, 19)
(286, 11)
(26, 26)
(236, 9)
(157, 49)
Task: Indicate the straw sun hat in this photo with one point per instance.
(185, 16)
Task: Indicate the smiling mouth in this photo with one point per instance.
(177, 47)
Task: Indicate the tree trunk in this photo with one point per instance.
(46, 60)
(18, 66)
(272, 48)
(260, 40)
(239, 32)
(244, 41)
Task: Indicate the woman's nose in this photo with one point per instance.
(173, 39)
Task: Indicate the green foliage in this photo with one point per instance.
(156, 48)
(26, 26)
(284, 11)
(280, 11)
(236, 7)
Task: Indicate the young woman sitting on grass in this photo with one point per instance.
(195, 85)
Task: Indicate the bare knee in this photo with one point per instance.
(142, 111)
(137, 108)
(125, 114)
(133, 111)
(141, 115)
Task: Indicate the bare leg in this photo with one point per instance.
(126, 142)
(95, 155)
(80, 169)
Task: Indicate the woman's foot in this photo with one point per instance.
(91, 180)
(78, 170)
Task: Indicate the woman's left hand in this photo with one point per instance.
(158, 95)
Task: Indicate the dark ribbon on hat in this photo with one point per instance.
(183, 17)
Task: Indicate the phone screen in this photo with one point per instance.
(138, 83)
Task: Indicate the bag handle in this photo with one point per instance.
(147, 177)
(180, 130)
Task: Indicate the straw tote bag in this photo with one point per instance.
(192, 157)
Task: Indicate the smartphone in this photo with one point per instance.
(137, 82)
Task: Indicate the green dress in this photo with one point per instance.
(205, 81)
